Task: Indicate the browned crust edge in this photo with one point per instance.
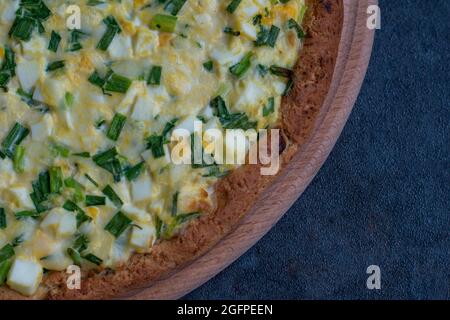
(236, 193)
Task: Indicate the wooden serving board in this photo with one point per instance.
(354, 55)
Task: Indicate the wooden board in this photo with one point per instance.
(354, 55)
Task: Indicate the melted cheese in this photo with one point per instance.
(66, 111)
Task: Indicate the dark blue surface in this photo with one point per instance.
(383, 196)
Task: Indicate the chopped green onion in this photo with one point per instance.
(19, 159)
(231, 32)
(175, 204)
(270, 107)
(74, 40)
(112, 82)
(3, 223)
(118, 224)
(82, 217)
(273, 36)
(280, 71)
(8, 68)
(134, 172)
(82, 154)
(91, 180)
(56, 179)
(116, 126)
(241, 67)
(94, 259)
(112, 196)
(174, 6)
(228, 120)
(55, 65)
(14, 138)
(75, 185)
(6, 252)
(231, 8)
(105, 157)
(209, 65)
(92, 200)
(75, 256)
(26, 214)
(292, 24)
(154, 77)
(163, 23)
(81, 243)
(156, 144)
(4, 269)
(55, 39)
(112, 28)
(117, 83)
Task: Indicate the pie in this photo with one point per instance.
(94, 98)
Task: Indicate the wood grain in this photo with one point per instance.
(354, 55)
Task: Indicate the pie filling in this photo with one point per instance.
(91, 92)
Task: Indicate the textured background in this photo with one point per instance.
(383, 196)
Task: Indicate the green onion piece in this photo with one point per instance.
(292, 24)
(91, 180)
(55, 39)
(231, 8)
(280, 71)
(8, 68)
(289, 86)
(3, 223)
(215, 172)
(273, 36)
(118, 224)
(69, 205)
(55, 65)
(156, 144)
(112, 196)
(17, 240)
(59, 150)
(154, 77)
(117, 83)
(112, 28)
(26, 214)
(174, 209)
(14, 138)
(116, 126)
(104, 157)
(77, 187)
(241, 67)
(134, 172)
(22, 28)
(92, 200)
(81, 243)
(69, 99)
(174, 6)
(56, 179)
(6, 252)
(94, 259)
(82, 217)
(44, 183)
(38, 203)
(96, 79)
(4, 269)
(75, 256)
(74, 40)
(270, 107)
(19, 159)
(208, 65)
(231, 32)
(163, 23)
(82, 154)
